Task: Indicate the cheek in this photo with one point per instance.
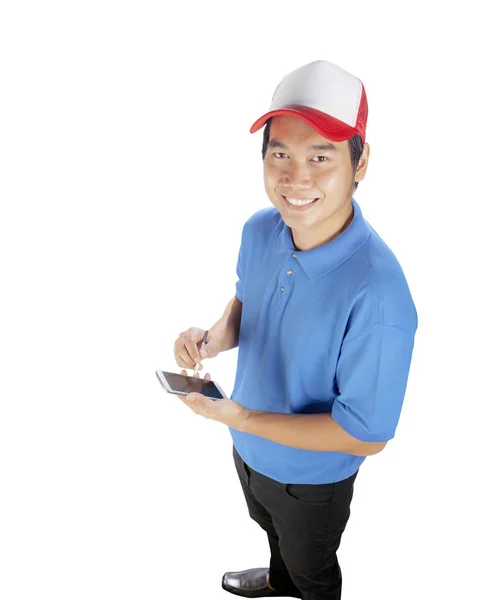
(330, 180)
(271, 176)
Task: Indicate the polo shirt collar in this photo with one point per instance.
(318, 261)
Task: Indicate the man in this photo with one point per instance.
(325, 325)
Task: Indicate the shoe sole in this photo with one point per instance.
(253, 594)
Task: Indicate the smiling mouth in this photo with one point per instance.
(299, 204)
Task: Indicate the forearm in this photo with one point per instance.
(228, 326)
(307, 432)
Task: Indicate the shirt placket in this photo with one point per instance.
(285, 282)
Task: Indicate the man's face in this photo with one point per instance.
(295, 168)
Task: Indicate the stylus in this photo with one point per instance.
(204, 339)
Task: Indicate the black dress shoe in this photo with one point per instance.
(250, 584)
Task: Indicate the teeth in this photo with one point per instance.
(297, 202)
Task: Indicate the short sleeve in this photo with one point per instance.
(240, 270)
(372, 375)
(239, 286)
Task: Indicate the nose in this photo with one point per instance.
(297, 175)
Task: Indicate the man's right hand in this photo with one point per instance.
(187, 347)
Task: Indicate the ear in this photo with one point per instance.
(363, 162)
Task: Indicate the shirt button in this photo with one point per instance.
(282, 289)
(289, 271)
(293, 255)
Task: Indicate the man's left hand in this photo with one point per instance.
(226, 411)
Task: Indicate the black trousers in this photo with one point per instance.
(304, 524)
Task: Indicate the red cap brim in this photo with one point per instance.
(327, 126)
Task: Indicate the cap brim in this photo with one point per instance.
(327, 126)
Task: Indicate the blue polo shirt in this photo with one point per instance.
(330, 329)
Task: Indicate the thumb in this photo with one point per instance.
(210, 349)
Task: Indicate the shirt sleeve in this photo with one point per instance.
(372, 374)
(240, 270)
(239, 286)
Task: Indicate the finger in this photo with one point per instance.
(207, 377)
(184, 360)
(188, 361)
(190, 403)
(184, 400)
(181, 356)
(183, 350)
(184, 372)
(191, 342)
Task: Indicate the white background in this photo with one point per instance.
(127, 171)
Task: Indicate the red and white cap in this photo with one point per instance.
(327, 97)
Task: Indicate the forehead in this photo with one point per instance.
(293, 131)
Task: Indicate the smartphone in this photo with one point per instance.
(181, 385)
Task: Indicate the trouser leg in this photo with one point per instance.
(309, 521)
(279, 577)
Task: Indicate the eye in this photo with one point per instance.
(275, 153)
(320, 157)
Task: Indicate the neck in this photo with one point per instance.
(305, 239)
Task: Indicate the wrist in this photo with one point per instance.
(224, 332)
(244, 417)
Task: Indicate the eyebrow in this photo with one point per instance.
(321, 147)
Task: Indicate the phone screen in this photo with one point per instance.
(185, 383)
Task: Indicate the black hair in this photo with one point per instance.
(356, 147)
